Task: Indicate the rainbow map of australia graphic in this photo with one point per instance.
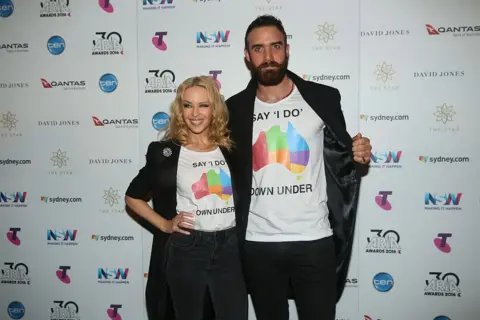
(213, 183)
(274, 146)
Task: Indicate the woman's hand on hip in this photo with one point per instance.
(182, 219)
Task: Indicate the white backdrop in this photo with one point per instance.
(86, 85)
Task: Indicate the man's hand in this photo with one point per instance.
(361, 149)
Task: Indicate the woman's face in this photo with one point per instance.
(197, 110)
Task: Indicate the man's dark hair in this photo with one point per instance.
(265, 21)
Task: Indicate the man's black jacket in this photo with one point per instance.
(342, 173)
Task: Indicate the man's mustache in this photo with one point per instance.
(269, 64)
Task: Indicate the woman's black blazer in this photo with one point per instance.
(157, 181)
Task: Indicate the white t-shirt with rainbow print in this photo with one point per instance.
(204, 188)
(289, 195)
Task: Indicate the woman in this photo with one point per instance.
(188, 176)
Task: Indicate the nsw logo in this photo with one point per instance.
(113, 275)
(14, 199)
(443, 201)
(160, 120)
(62, 237)
(108, 83)
(6, 8)
(214, 39)
(389, 159)
(56, 45)
(383, 282)
(158, 4)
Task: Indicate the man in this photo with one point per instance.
(296, 182)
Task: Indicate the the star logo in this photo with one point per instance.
(444, 113)
(326, 32)
(59, 159)
(111, 196)
(384, 72)
(9, 121)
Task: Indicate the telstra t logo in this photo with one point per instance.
(214, 75)
(113, 312)
(106, 6)
(382, 200)
(12, 236)
(158, 42)
(441, 242)
(62, 274)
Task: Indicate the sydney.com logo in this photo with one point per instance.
(97, 237)
(440, 159)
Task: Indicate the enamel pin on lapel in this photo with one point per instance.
(167, 152)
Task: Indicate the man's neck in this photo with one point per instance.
(272, 94)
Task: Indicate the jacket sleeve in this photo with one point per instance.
(338, 108)
(141, 185)
(360, 169)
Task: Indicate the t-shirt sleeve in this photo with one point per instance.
(141, 185)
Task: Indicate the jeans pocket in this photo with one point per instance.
(181, 240)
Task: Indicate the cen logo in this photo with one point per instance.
(383, 282)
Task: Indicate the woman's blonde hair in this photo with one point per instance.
(218, 132)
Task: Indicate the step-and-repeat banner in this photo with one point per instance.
(86, 85)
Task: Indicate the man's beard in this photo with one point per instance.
(270, 77)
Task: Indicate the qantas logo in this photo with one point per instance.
(119, 123)
(67, 85)
(457, 30)
(431, 30)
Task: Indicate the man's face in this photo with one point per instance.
(267, 55)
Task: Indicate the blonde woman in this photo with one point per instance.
(195, 251)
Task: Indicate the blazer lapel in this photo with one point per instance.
(169, 162)
(165, 178)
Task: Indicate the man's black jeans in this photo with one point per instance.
(206, 263)
(307, 266)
